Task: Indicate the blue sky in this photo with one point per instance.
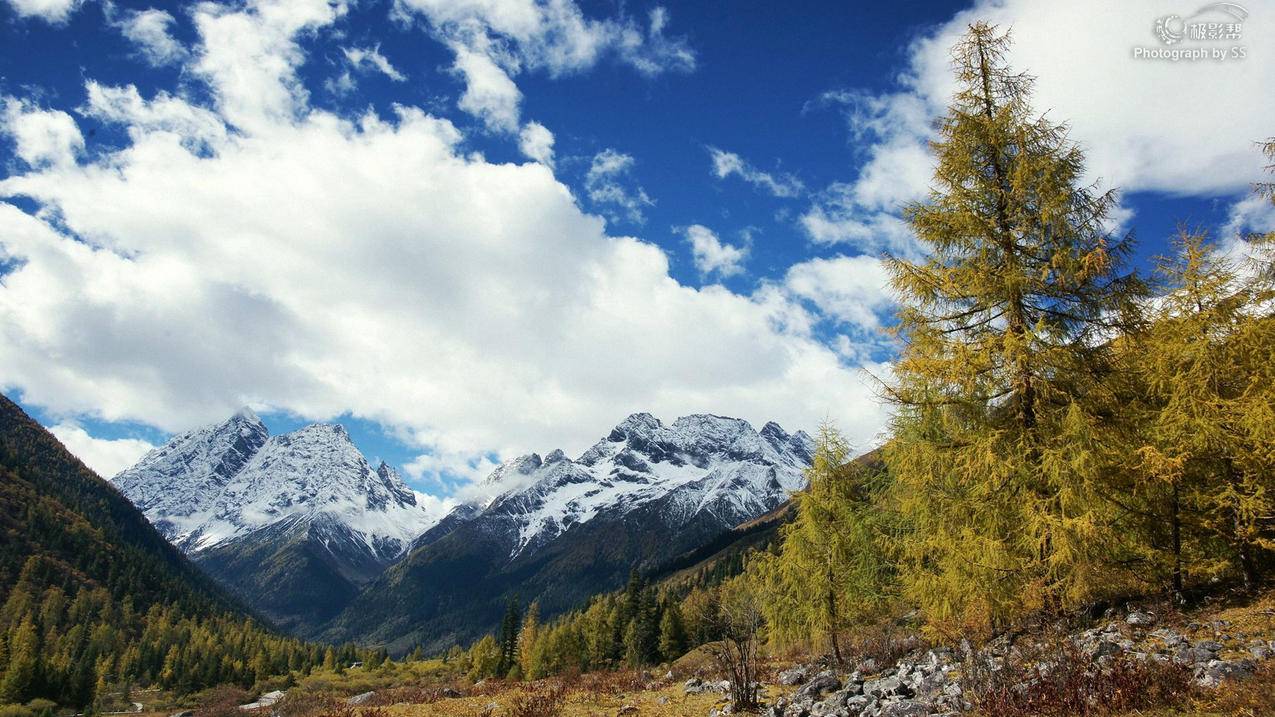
(224, 204)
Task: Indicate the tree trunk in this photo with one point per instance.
(1176, 525)
(832, 614)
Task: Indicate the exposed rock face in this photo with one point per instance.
(293, 524)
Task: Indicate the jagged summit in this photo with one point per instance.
(700, 462)
(561, 529)
(224, 481)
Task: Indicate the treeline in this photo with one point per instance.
(1065, 430)
(634, 627)
(78, 647)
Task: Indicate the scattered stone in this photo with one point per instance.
(626, 710)
(1140, 619)
(360, 698)
(903, 709)
(1216, 671)
(183, 713)
(794, 676)
(820, 685)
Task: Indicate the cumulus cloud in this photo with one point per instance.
(249, 57)
(535, 141)
(105, 456)
(495, 40)
(323, 265)
(711, 255)
(490, 93)
(150, 30)
(41, 137)
(726, 164)
(854, 290)
(607, 184)
(1184, 128)
(53, 11)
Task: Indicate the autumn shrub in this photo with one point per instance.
(542, 701)
(1253, 697)
(1063, 681)
(884, 644)
(305, 703)
(222, 701)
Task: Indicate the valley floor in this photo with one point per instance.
(1231, 632)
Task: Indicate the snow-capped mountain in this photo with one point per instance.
(700, 463)
(221, 482)
(293, 523)
(558, 529)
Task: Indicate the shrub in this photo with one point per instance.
(1254, 697)
(1062, 681)
(15, 711)
(545, 702)
(222, 701)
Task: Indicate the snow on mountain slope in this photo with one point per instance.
(222, 482)
(699, 463)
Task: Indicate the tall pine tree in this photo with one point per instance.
(997, 455)
(831, 569)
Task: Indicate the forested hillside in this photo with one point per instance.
(94, 598)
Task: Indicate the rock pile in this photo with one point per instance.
(928, 682)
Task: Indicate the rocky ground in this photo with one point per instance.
(936, 681)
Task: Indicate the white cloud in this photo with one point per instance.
(195, 127)
(1183, 128)
(249, 58)
(490, 94)
(370, 58)
(711, 255)
(838, 217)
(1255, 214)
(726, 164)
(53, 11)
(324, 266)
(41, 137)
(495, 40)
(854, 290)
(106, 456)
(150, 31)
(535, 141)
(605, 186)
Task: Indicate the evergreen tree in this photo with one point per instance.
(509, 627)
(831, 568)
(1208, 450)
(672, 633)
(528, 636)
(997, 456)
(24, 654)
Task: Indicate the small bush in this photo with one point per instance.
(1254, 697)
(15, 711)
(885, 644)
(222, 701)
(1062, 681)
(305, 703)
(542, 702)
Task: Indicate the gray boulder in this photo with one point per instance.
(1140, 619)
